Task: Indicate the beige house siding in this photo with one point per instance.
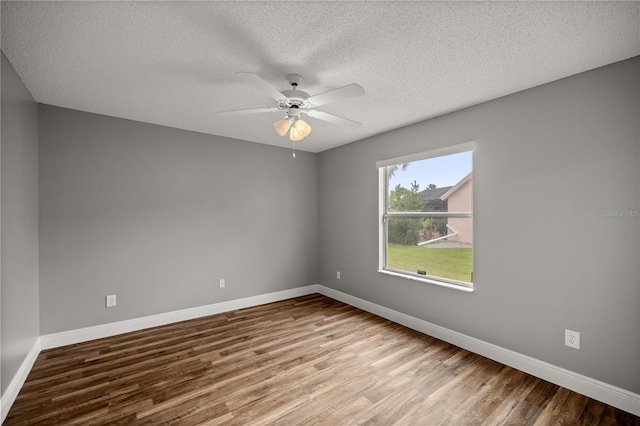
(460, 199)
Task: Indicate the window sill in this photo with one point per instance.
(427, 280)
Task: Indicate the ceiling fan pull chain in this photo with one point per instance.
(294, 149)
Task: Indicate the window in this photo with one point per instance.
(426, 223)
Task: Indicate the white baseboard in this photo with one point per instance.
(70, 337)
(612, 395)
(10, 395)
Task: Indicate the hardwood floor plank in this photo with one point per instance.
(309, 360)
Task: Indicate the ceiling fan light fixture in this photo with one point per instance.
(282, 126)
(299, 130)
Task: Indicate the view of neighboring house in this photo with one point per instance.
(432, 199)
(460, 199)
(457, 198)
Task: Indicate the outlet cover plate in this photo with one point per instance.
(572, 339)
(110, 301)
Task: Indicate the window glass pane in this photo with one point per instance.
(430, 178)
(437, 247)
(450, 258)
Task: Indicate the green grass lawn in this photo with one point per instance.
(451, 263)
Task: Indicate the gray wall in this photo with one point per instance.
(158, 215)
(19, 224)
(549, 161)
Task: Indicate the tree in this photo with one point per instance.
(402, 199)
(405, 230)
(431, 186)
(391, 170)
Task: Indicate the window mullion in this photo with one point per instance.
(428, 214)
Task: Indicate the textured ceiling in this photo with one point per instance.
(173, 63)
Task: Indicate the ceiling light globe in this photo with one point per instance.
(282, 126)
(296, 134)
(302, 127)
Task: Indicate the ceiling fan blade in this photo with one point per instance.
(262, 85)
(332, 118)
(247, 111)
(345, 92)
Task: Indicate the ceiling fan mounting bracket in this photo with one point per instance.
(295, 96)
(294, 79)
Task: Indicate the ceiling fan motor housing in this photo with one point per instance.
(295, 96)
(294, 112)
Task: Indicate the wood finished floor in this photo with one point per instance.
(309, 360)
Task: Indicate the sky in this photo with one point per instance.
(443, 171)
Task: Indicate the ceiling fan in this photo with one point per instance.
(294, 103)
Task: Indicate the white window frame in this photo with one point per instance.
(383, 192)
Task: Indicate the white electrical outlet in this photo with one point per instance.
(572, 339)
(222, 283)
(110, 301)
(338, 274)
